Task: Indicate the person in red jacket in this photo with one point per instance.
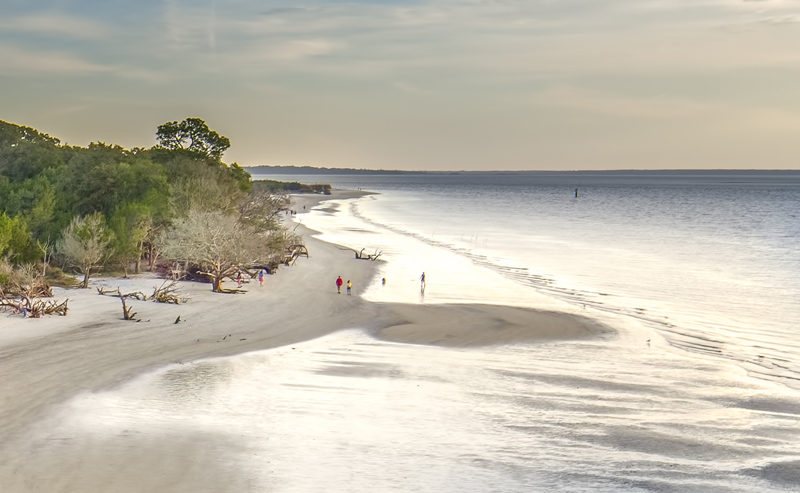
(339, 283)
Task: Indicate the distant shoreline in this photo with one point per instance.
(310, 170)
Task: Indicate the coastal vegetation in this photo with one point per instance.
(275, 186)
(107, 208)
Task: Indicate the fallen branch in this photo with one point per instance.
(361, 256)
(166, 293)
(127, 313)
(116, 293)
(35, 308)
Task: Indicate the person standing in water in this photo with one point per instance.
(339, 283)
(349, 286)
(422, 281)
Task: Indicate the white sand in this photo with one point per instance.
(44, 362)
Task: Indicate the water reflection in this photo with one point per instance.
(346, 413)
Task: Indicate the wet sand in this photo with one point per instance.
(46, 362)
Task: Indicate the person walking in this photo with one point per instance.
(422, 281)
(261, 277)
(239, 279)
(339, 283)
(349, 286)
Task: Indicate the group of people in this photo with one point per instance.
(340, 282)
(240, 279)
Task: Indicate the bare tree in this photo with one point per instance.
(219, 244)
(263, 210)
(46, 248)
(85, 244)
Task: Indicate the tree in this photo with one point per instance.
(6, 225)
(192, 134)
(218, 243)
(85, 244)
(262, 210)
(131, 223)
(15, 239)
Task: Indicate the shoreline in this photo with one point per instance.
(46, 362)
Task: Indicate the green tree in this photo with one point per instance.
(16, 242)
(5, 233)
(131, 224)
(24, 152)
(192, 134)
(101, 177)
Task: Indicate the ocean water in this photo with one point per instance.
(694, 390)
(709, 260)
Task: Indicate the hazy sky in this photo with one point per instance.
(419, 84)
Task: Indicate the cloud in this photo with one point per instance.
(291, 50)
(654, 108)
(55, 24)
(17, 61)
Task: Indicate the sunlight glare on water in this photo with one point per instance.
(349, 413)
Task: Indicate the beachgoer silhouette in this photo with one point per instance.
(239, 279)
(383, 281)
(422, 280)
(349, 286)
(261, 277)
(339, 283)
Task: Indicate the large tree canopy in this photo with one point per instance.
(194, 135)
(219, 243)
(83, 206)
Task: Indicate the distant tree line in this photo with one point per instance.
(104, 206)
(274, 186)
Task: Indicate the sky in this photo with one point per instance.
(418, 84)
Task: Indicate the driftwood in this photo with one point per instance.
(116, 292)
(370, 256)
(127, 313)
(35, 308)
(293, 252)
(23, 295)
(166, 293)
(161, 294)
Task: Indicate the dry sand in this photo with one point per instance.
(47, 361)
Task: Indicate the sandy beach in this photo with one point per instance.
(45, 362)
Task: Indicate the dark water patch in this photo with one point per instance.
(772, 405)
(361, 370)
(759, 442)
(685, 447)
(359, 230)
(592, 384)
(782, 473)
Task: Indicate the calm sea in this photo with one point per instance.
(696, 390)
(709, 259)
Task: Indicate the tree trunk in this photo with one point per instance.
(216, 283)
(85, 283)
(153, 259)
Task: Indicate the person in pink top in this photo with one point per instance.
(339, 283)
